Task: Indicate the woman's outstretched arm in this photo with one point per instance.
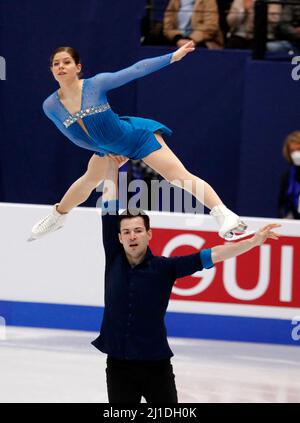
(142, 68)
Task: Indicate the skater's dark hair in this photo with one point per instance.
(71, 51)
(132, 213)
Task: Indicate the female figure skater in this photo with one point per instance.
(80, 111)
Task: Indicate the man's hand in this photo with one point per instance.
(264, 233)
(119, 160)
(182, 42)
(183, 51)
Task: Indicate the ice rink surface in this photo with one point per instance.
(45, 365)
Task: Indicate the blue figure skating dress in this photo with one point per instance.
(107, 132)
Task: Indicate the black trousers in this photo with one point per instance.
(130, 380)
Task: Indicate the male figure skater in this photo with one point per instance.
(137, 291)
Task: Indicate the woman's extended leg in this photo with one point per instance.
(81, 189)
(164, 162)
(170, 167)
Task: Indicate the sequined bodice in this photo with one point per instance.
(86, 112)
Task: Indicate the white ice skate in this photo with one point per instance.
(232, 227)
(48, 224)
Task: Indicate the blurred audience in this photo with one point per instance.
(289, 196)
(196, 20)
(152, 23)
(224, 7)
(288, 28)
(209, 22)
(240, 20)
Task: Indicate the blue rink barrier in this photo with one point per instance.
(183, 325)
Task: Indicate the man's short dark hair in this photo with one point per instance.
(132, 213)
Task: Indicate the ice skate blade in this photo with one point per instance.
(33, 238)
(234, 237)
(242, 227)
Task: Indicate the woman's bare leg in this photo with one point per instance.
(164, 162)
(170, 167)
(81, 189)
(76, 194)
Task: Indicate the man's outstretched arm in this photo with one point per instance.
(187, 265)
(224, 252)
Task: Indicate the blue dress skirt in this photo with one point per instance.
(138, 139)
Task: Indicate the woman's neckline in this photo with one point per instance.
(81, 100)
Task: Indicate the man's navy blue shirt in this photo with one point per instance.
(136, 298)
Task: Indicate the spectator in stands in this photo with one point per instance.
(240, 20)
(224, 7)
(196, 20)
(288, 28)
(152, 23)
(289, 196)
